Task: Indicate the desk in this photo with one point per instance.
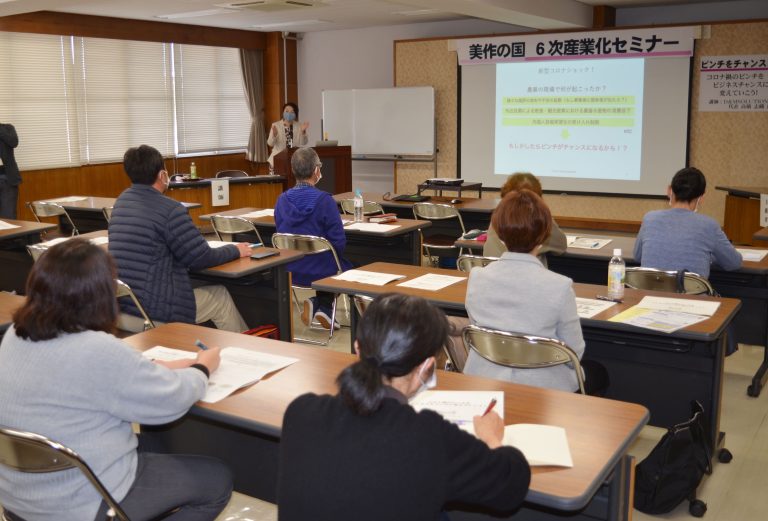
(9, 303)
(464, 185)
(244, 429)
(87, 213)
(15, 262)
(749, 284)
(401, 245)
(662, 372)
(742, 212)
(761, 235)
(261, 289)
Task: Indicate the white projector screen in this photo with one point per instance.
(615, 126)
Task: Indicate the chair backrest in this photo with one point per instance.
(35, 250)
(307, 244)
(437, 212)
(361, 303)
(658, 280)
(465, 263)
(231, 173)
(47, 209)
(521, 351)
(107, 211)
(124, 290)
(229, 224)
(29, 452)
(369, 207)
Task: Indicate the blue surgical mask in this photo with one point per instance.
(289, 116)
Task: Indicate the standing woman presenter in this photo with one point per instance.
(287, 132)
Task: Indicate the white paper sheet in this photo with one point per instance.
(696, 307)
(70, 199)
(586, 243)
(431, 282)
(8, 226)
(54, 242)
(656, 319)
(219, 244)
(588, 307)
(372, 227)
(269, 212)
(368, 277)
(99, 240)
(752, 255)
(239, 367)
(459, 407)
(541, 444)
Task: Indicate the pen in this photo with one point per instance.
(202, 346)
(490, 406)
(609, 299)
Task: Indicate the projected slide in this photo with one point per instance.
(579, 119)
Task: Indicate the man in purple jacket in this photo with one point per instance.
(306, 210)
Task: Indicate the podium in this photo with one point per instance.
(337, 168)
(742, 213)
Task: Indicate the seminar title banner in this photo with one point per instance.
(627, 43)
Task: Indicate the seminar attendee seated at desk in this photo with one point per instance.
(155, 244)
(518, 294)
(681, 239)
(64, 376)
(366, 454)
(305, 210)
(556, 243)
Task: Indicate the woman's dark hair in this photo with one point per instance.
(522, 221)
(396, 334)
(293, 106)
(688, 184)
(522, 181)
(71, 288)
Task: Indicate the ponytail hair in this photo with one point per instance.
(395, 334)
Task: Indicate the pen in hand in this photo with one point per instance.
(490, 406)
(202, 346)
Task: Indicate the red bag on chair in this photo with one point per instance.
(266, 331)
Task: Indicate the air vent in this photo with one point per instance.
(271, 6)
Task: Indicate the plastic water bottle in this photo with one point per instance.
(193, 170)
(616, 271)
(358, 206)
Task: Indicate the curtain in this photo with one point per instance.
(252, 64)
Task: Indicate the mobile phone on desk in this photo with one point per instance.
(263, 253)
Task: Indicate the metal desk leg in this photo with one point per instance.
(758, 381)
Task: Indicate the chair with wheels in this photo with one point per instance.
(232, 224)
(231, 173)
(43, 209)
(521, 351)
(670, 281)
(369, 207)
(310, 245)
(465, 263)
(439, 242)
(29, 452)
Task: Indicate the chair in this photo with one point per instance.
(369, 207)
(124, 290)
(231, 173)
(438, 241)
(521, 351)
(309, 245)
(231, 224)
(28, 452)
(465, 263)
(671, 281)
(107, 211)
(45, 209)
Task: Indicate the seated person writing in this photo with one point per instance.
(518, 294)
(155, 244)
(556, 243)
(64, 376)
(681, 239)
(307, 210)
(366, 454)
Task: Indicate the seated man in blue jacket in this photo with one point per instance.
(308, 211)
(155, 244)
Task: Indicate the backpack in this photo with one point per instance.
(674, 468)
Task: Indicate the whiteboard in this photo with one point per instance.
(392, 122)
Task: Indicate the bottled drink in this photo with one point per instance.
(193, 170)
(616, 270)
(358, 206)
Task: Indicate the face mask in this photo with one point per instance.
(319, 176)
(430, 383)
(696, 208)
(289, 116)
(167, 182)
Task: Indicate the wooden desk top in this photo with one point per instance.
(467, 204)
(744, 191)
(9, 303)
(95, 204)
(761, 235)
(24, 228)
(454, 297)
(596, 444)
(403, 225)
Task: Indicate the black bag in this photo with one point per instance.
(674, 468)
